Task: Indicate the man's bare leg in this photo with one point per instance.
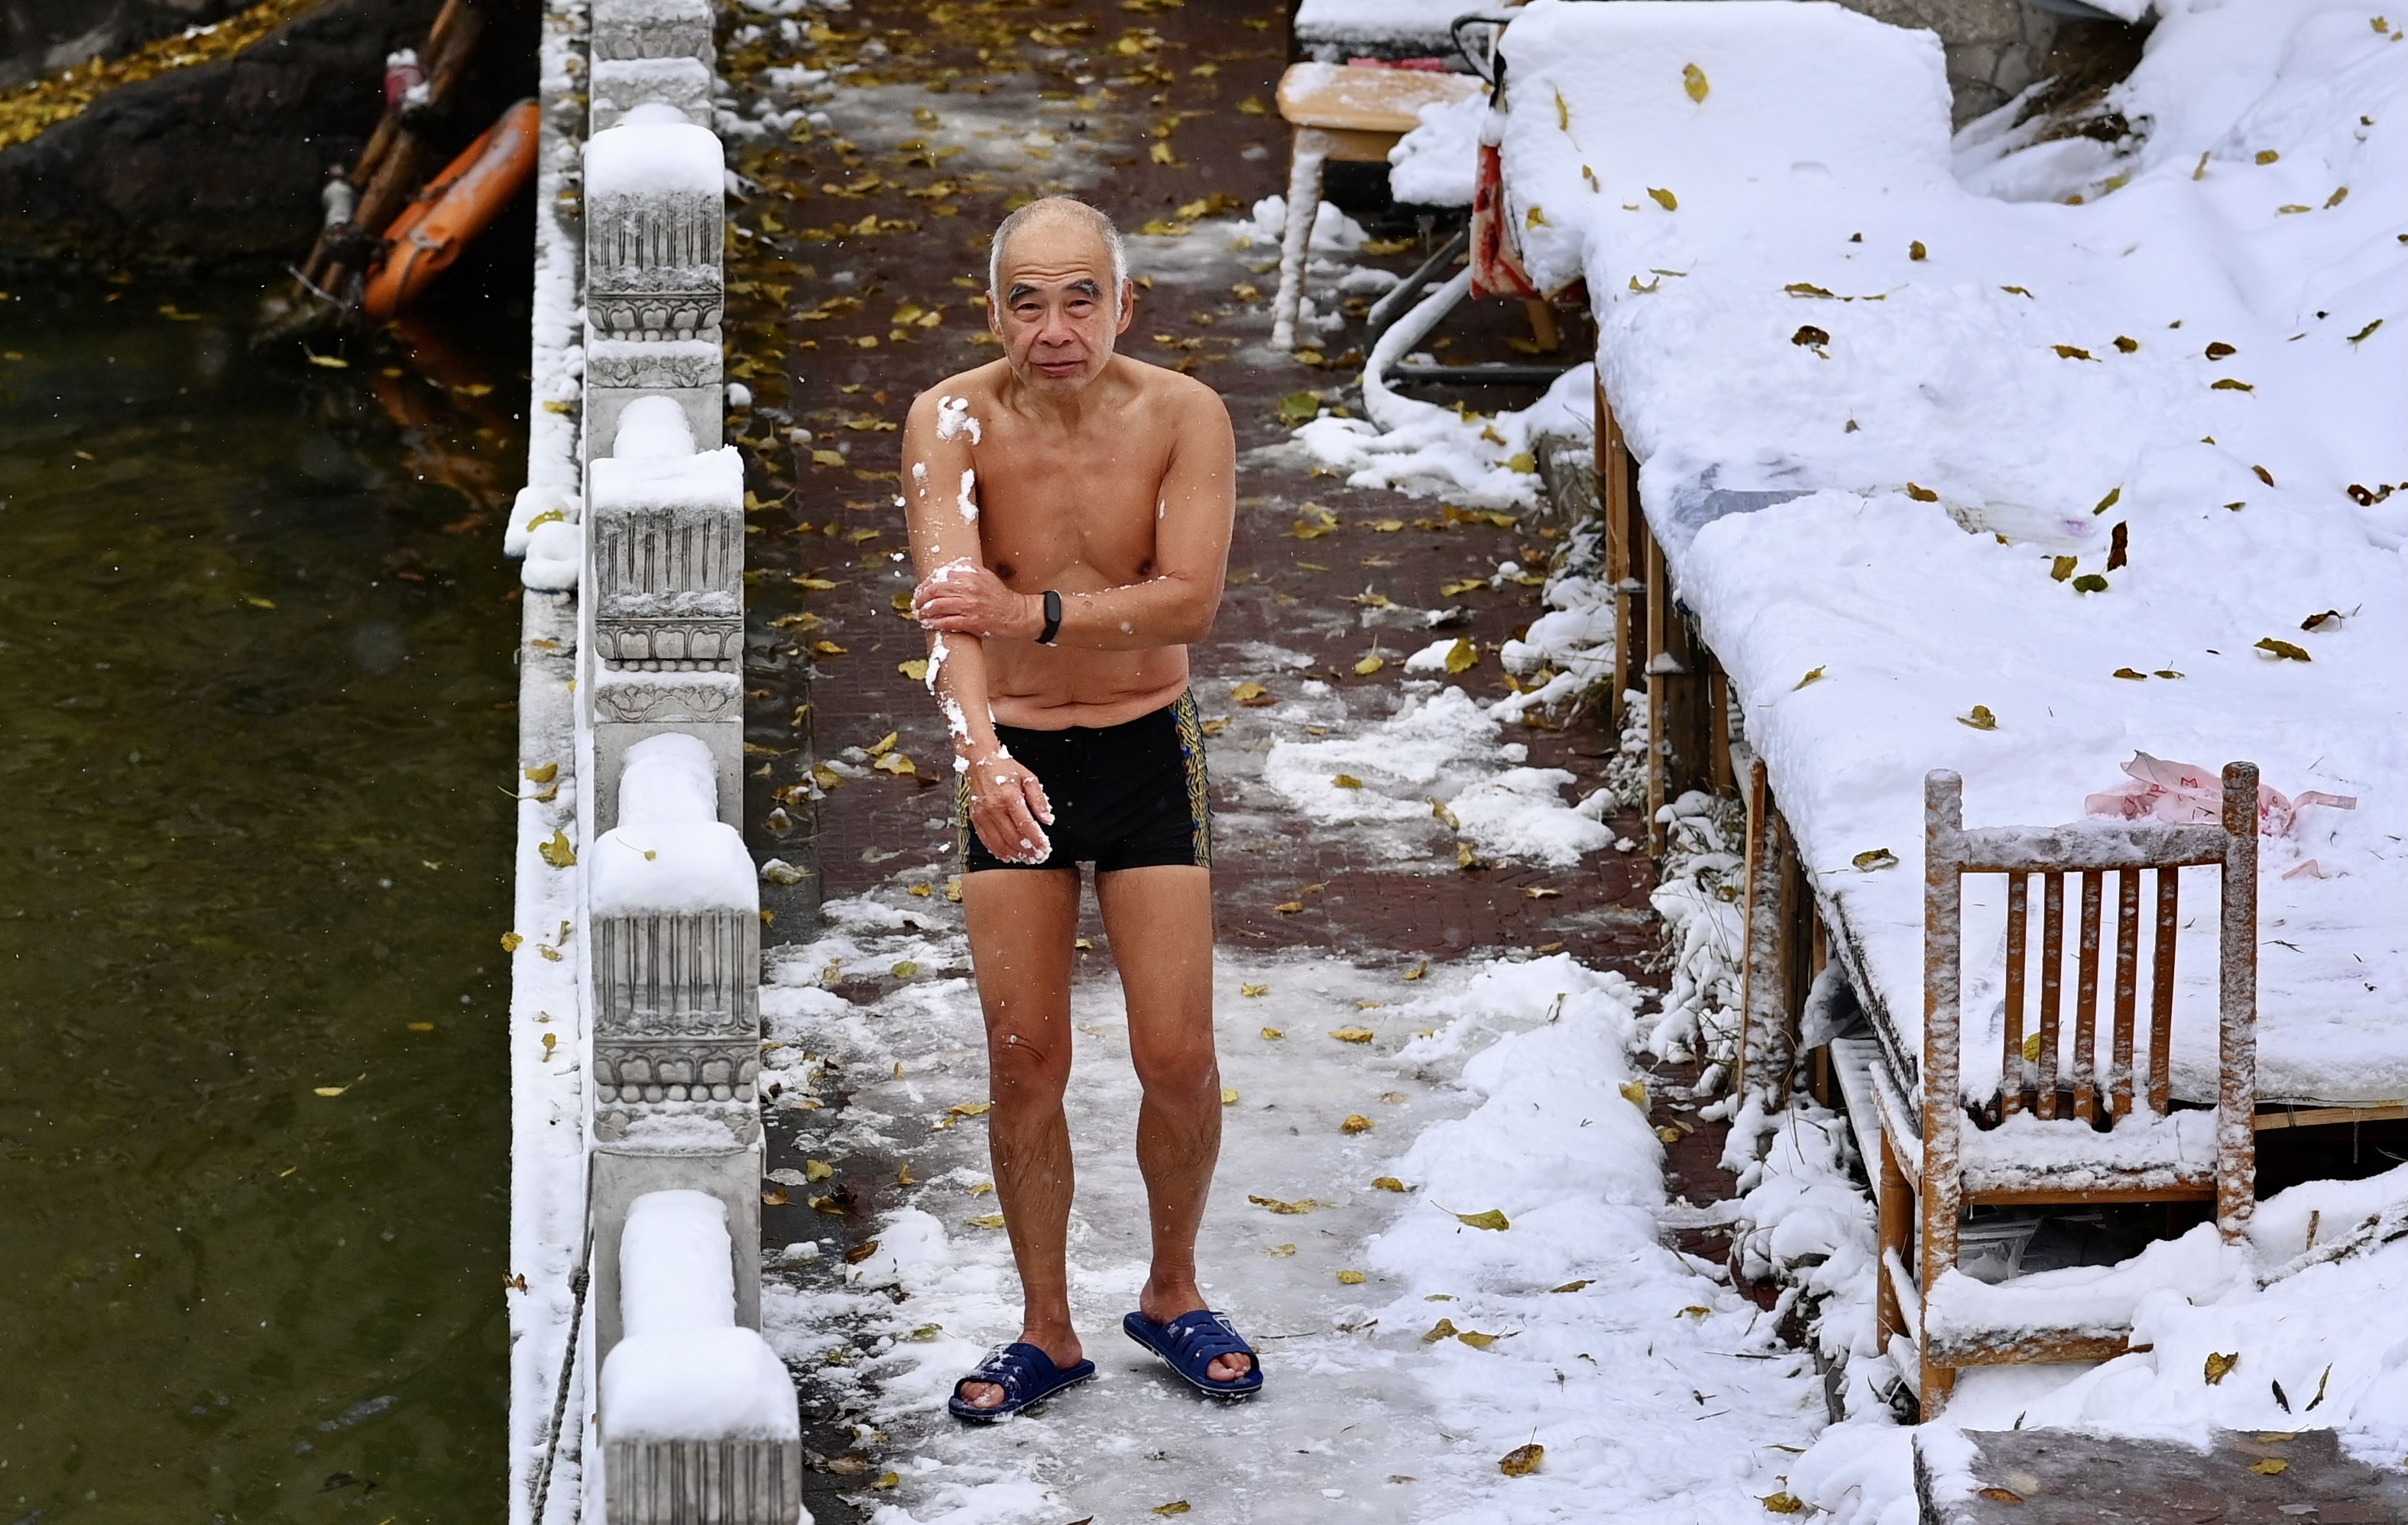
(1021, 923)
(1160, 922)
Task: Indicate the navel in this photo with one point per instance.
(1145, 568)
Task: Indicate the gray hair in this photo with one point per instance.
(1093, 219)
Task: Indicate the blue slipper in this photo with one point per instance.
(1191, 1343)
(1027, 1376)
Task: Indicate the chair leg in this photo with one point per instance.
(1897, 1214)
(1296, 241)
(1544, 331)
(1939, 1386)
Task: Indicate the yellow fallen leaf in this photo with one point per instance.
(1418, 971)
(1980, 719)
(1569, 1285)
(557, 852)
(985, 1220)
(1162, 153)
(2032, 1049)
(542, 773)
(1813, 676)
(1345, 780)
(1351, 1278)
(888, 1479)
(420, 1027)
(1251, 694)
(336, 1090)
(916, 669)
(896, 763)
(1369, 665)
(330, 362)
(1664, 198)
(1442, 1330)
(1356, 1123)
(1461, 586)
(829, 648)
(817, 1170)
(1285, 1210)
(511, 941)
(1492, 1220)
(817, 585)
(1228, 1095)
(1539, 892)
(2220, 1366)
(1279, 1252)
(2269, 1465)
(1693, 79)
(1475, 1339)
(1352, 1034)
(1255, 991)
(1176, 1506)
(970, 1109)
(1389, 1183)
(1783, 1503)
(1522, 1460)
(1462, 656)
(1289, 907)
(1535, 218)
(1635, 1092)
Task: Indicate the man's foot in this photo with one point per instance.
(1160, 1306)
(1194, 1345)
(1061, 1348)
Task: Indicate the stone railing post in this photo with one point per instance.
(699, 1423)
(665, 548)
(621, 84)
(653, 284)
(674, 956)
(639, 29)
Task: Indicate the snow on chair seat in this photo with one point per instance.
(2075, 1136)
(1334, 31)
(698, 1415)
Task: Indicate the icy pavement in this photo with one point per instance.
(1407, 1352)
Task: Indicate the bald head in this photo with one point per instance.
(1059, 211)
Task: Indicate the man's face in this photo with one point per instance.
(1053, 307)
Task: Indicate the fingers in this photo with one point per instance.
(1033, 793)
(1008, 825)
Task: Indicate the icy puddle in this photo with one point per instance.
(1514, 1292)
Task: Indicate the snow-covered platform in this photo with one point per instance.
(2018, 487)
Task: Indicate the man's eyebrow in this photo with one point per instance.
(1087, 288)
(1019, 289)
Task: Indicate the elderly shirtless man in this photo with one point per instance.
(1069, 511)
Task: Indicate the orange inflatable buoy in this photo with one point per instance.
(456, 206)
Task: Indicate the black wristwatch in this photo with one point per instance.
(1053, 619)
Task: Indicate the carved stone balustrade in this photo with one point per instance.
(674, 957)
(625, 29)
(698, 1418)
(665, 580)
(654, 289)
(621, 84)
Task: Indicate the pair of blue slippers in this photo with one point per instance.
(1188, 1345)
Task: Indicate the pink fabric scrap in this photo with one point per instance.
(2180, 794)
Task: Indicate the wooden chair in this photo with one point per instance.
(2162, 1156)
(1354, 115)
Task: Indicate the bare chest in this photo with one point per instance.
(1048, 507)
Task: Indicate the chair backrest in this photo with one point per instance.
(2091, 851)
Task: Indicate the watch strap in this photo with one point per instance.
(1053, 619)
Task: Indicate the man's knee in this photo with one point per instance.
(1019, 1067)
(1174, 1063)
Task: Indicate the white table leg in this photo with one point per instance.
(1296, 241)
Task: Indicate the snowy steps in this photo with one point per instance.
(2249, 1477)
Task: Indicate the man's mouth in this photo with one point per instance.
(1058, 367)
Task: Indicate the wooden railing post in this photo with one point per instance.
(2236, 1106)
(1943, 818)
(1625, 559)
(1678, 740)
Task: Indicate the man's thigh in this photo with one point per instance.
(1160, 923)
(1022, 924)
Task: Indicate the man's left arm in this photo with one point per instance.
(1175, 606)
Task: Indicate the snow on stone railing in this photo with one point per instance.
(698, 1416)
(695, 1417)
(665, 536)
(654, 189)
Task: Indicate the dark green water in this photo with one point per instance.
(255, 722)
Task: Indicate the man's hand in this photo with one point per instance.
(965, 597)
(1007, 803)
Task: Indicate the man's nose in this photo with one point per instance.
(1058, 331)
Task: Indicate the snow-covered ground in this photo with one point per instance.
(1656, 1392)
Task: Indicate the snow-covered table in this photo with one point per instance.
(2019, 488)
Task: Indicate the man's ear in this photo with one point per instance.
(1128, 307)
(993, 317)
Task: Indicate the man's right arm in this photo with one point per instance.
(1008, 806)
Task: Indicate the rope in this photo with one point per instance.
(578, 1282)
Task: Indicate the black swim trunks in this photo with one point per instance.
(1132, 795)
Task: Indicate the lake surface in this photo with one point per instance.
(256, 732)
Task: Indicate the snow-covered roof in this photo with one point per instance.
(1912, 450)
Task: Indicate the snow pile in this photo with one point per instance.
(1520, 814)
(555, 556)
(1438, 162)
(647, 156)
(684, 1371)
(670, 854)
(1701, 898)
(1421, 448)
(1432, 745)
(2125, 456)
